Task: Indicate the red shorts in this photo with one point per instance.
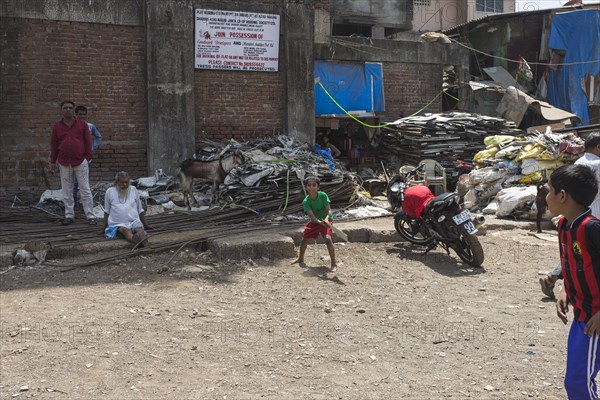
(312, 231)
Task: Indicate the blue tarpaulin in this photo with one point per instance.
(578, 34)
(353, 86)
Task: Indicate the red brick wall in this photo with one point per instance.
(98, 65)
(237, 104)
(244, 105)
(409, 87)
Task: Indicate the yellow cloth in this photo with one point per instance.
(485, 154)
(497, 139)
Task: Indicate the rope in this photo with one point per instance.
(346, 112)
(518, 61)
(358, 46)
(382, 125)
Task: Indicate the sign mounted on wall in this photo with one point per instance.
(237, 40)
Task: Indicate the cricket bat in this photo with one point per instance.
(338, 232)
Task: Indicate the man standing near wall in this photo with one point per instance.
(81, 113)
(71, 146)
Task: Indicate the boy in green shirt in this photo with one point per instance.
(316, 206)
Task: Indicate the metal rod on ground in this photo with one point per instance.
(385, 173)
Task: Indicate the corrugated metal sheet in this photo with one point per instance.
(489, 18)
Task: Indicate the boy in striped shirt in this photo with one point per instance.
(572, 190)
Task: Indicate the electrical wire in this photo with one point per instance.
(386, 124)
(357, 47)
(518, 61)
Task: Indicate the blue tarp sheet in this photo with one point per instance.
(353, 86)
(577, 33)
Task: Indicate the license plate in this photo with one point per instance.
(469, 227)
(462, 217)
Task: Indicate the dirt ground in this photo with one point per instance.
(390, 323)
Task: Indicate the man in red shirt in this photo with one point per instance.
(71, 146)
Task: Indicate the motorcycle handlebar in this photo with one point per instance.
(413, 171)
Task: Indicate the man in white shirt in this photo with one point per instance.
(123, 212)
(591, 158)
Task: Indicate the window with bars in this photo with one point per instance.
(422, 2)
(491, 6)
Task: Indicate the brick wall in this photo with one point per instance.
(409, 87)
(237, 104)
(98, 65)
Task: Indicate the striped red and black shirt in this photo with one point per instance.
(580, 258)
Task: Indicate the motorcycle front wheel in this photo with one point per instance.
(469, 250)
(409, 230)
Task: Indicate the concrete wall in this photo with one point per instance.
(170, 83)
(117, 12)
(438, 15)
(388, 13)
(300, 73)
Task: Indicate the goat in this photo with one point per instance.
(208, 171)
(540, 204)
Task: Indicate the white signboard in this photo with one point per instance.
(237, 40)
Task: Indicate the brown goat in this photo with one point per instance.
(208, 171)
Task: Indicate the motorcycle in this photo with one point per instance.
(442, 223)
(460, 168)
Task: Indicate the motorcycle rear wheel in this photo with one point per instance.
(409, 230)
(469, 250)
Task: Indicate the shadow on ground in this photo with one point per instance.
(437, 260)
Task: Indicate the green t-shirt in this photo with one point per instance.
(318, 206)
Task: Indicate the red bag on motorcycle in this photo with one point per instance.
(415, 200)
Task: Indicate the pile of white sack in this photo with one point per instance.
(510, 167)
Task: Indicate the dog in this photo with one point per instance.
(540, 204)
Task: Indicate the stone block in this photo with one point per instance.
(381, 236)
(251, 246)
(357, 235)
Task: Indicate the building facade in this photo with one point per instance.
(131, 62)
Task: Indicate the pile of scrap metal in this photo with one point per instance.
(505, 98)
(270, 179)
(511, 166)
(272, 176)
(444, 137)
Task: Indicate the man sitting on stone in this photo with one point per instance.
(123, 212)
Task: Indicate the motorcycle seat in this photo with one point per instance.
(438, 201)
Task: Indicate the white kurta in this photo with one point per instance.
(123, 212)
(593, 161)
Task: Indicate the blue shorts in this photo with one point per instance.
(583, 363)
